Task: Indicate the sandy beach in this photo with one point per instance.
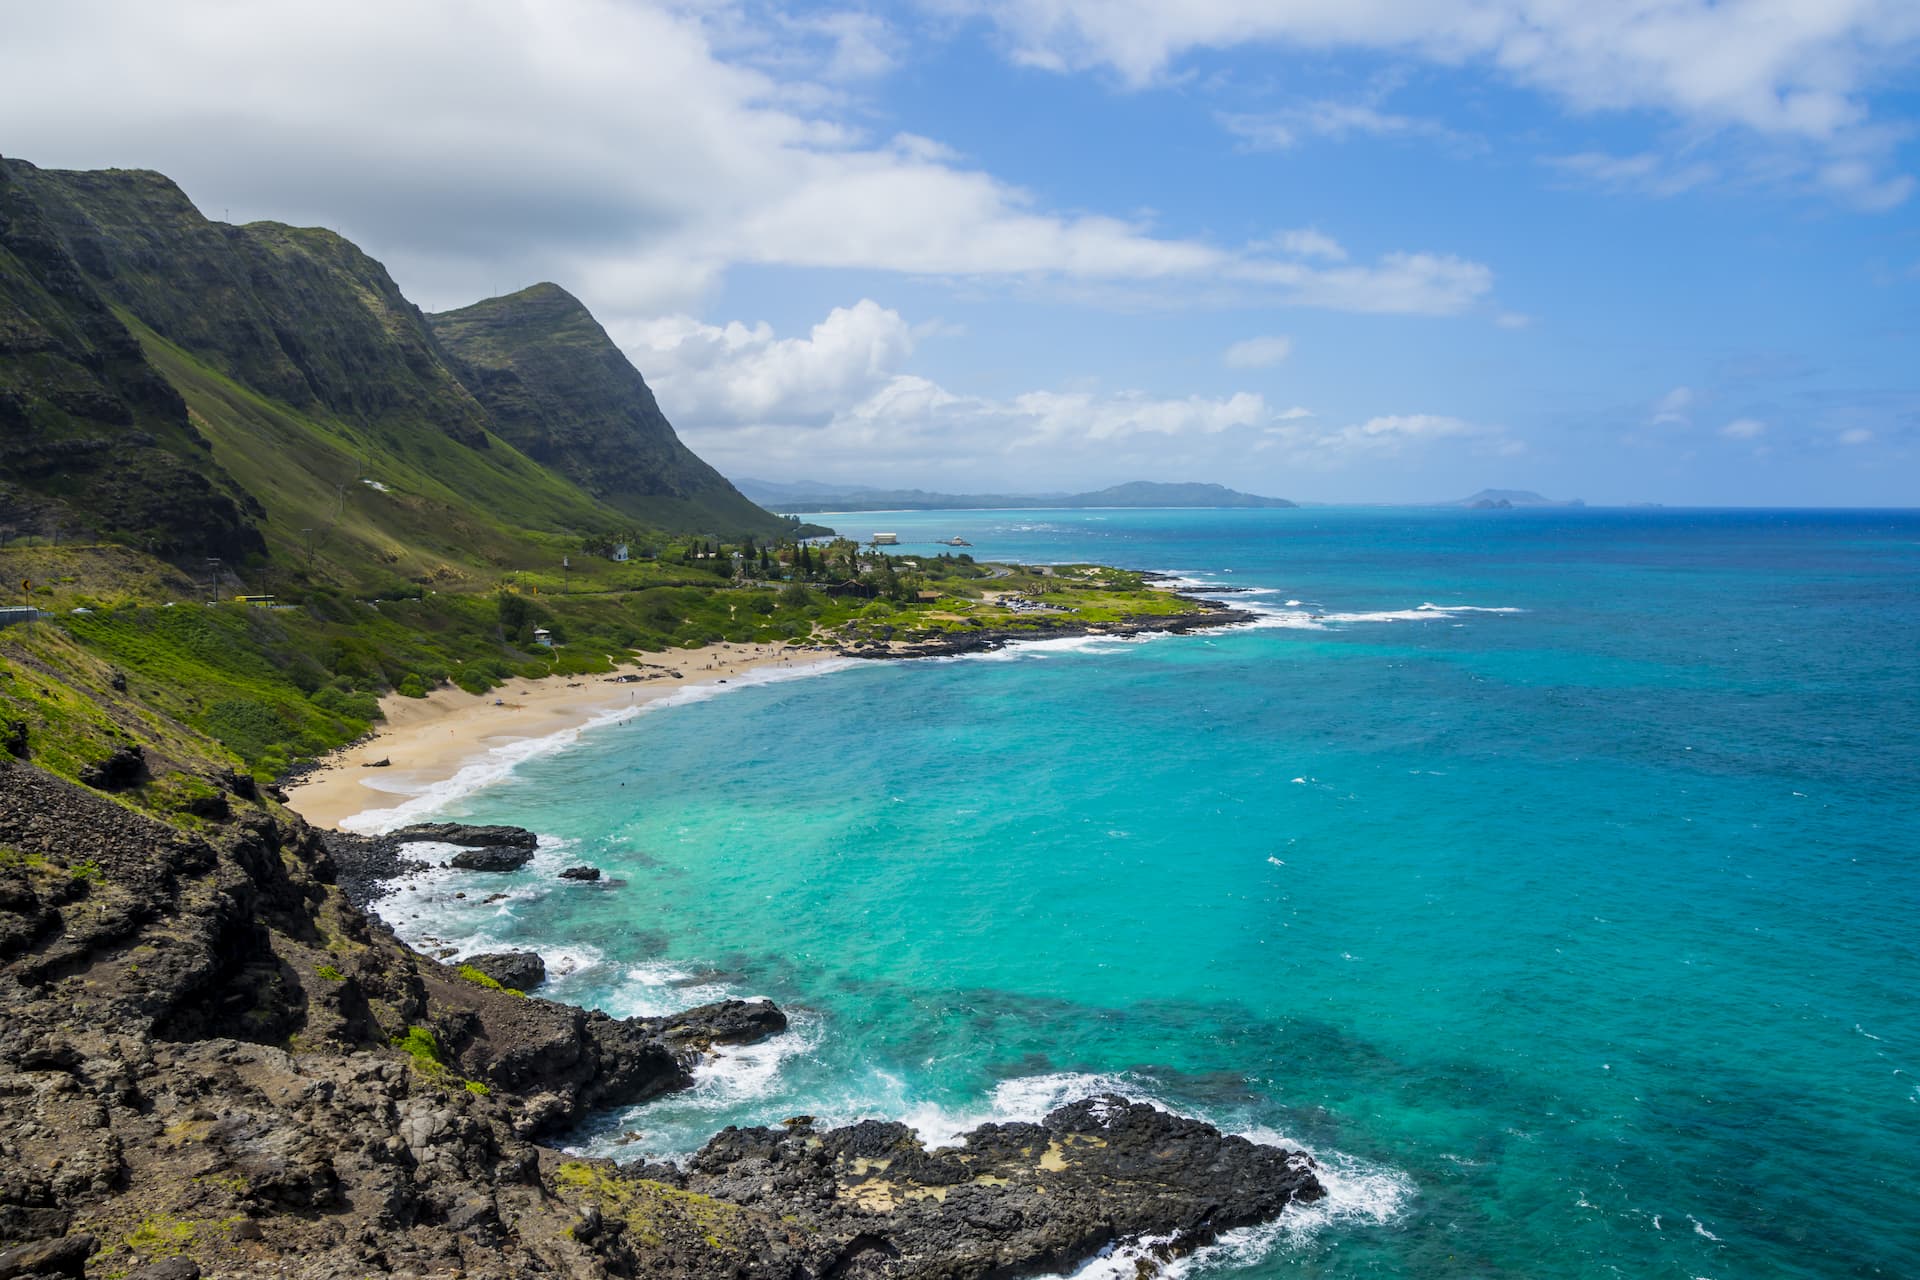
(428, 740)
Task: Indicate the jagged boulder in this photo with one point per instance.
(126, 767)
(519, 970)
(497, 858)
(468, 836)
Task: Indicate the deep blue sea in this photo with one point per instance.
(1553, 876)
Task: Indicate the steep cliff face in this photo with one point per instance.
(562, 392)
(298, 314)
(305, 369)
(93, 440)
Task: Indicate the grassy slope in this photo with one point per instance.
(439, 519)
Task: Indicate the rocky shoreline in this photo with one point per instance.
(215, 1062)
(1209, 614)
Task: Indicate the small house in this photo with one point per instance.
(619, 554)
(543, 637)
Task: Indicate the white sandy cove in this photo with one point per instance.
(431, 739)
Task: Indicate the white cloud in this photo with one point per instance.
(1798, 72)
(1513, 320)
(1671, 408)
(1645, 172)
(1399, 283)
(1258, 353)
(841, 401)
(735, 373)
(1334, 122)
(1744, 429)
(1856, 435)
(634, 150)
(1307, 242)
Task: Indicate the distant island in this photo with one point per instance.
(1508, 499)
(807, 496)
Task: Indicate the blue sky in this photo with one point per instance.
(1336, 250)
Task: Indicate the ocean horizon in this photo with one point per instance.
(1547, 873)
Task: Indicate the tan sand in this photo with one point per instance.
(430, 739)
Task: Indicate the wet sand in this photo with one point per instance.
(429, 740)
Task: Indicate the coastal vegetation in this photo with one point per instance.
(251, 490)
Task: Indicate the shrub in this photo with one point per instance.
(250, 728)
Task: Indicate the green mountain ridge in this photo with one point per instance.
(275, 392)
(561, 391)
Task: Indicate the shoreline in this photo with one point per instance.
(430, 740)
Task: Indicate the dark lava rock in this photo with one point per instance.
(724, 1022)
(168, 1269)
(126, 767)
(363, 864)
(213, 806)
(468, 836)
(495, 858)
(14, 739)
(521, 970)
(1015, 1199)
(580, 873)
(66, 1256)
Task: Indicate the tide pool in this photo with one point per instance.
(1550, 875)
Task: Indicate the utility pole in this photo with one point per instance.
(566, 575)
(213, 586)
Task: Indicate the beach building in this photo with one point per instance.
(543, 637)
(851, 589)
(886, 539)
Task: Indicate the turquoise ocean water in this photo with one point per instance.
(1553, 876)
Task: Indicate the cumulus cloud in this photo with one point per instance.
(1856, 435)
(1744, 429)
(841, 400)
(1258, 353)
(633, 149)
(1800, 73)
(735, 373)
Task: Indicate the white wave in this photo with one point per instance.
(1295, 618)
(500, 762)
(738, 1074)
(655, 988)
(1127, 1260)
(1020, 649)
(1023, 1098)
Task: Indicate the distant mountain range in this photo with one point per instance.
(805, 496)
